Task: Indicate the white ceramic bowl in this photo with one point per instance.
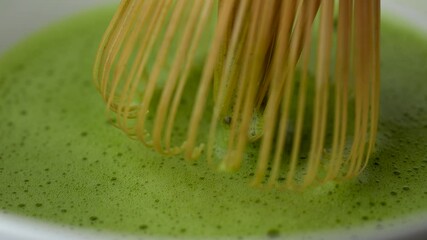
(19, 18)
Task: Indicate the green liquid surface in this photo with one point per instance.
(60, 160)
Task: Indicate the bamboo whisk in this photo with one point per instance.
(219, 77)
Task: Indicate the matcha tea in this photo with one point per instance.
(62, 162)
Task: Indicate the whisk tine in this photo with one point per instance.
(342, 72)
(205, 82)
(225, 73)
(321, 90)
(302, 98)
(123, 60)
(271, 74)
